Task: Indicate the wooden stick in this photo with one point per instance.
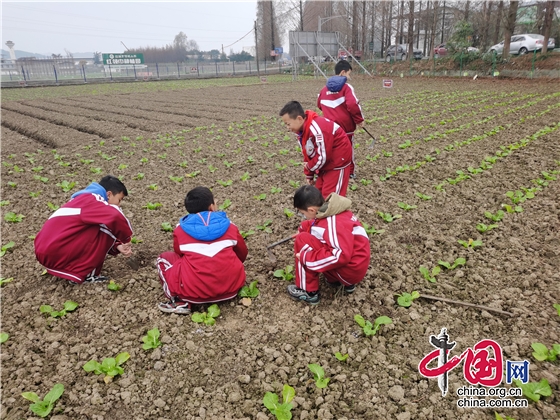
(472, 305)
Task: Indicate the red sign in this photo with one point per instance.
(387, 83)
(194, 70)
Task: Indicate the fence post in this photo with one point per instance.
(55, 76)
(110, 73)
(493, 63)
(411, 58)
(233, 62)
(461, 66)
(249, 67)
(157, 70)
(533, 64)
(134, 68)
(23, 72)
(178, 71)
(197, 70)
(84, 72)
(216, 63)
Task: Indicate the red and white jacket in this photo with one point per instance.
(346, 247)
(324, 145)
(75, 240)
(208, 271)
(339, 103)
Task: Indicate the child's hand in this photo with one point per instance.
(125, 249)
(310, 181)
(297, 255)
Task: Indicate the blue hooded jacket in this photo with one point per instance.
(206, 225)
(336, 83)
(93, 188)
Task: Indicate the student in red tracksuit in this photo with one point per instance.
(331, 241)
(75, 240)
(207, 262)
(326, 149)
(339, 103)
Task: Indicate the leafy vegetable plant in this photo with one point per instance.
(494, 217)
(542, 353)
(318, 375)
(113, 287)
(250, 291)
(152, 206)
(449, 266)
(207, 318)
(388, 217)
(405, 299)
(512, 209)
(4, 281)
(166, 227)
(245, 234)
(4, 337)
(265, 226)
(6, 248)
(368, 327)
(371, 230)
(43, 407)
(341, 357)
(282, 411)
(534, 390)
(481, 227)
(261, 197)
(66, 186)
(110, 366)
(471, 243)
(151, 340)
(431, 277)
(405, 206)
(286, 274)
(225, 204)
(69, 306)
(557, 307)
(13, 218)
(288, 213)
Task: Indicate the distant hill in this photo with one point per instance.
(20, 54)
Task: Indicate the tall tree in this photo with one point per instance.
(435, 11)
(355, 24)
(267, 28)
(410, 27)
(547, 24)
(509, 27)
(498, 22)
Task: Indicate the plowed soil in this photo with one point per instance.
(464, 143)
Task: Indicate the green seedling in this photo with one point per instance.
(353, 187)
(135, 240)
(245, 176)
(510, 209)
(34, 194)
(212, 168)
(481, 227)
(534, 390)
(192, 174)
(69, 306)
(294, 184)
(557, 307)
(250, 159)
(341, 357)
(13, 218)
(280, 167)
(153, 187)
(66, 186)
(517, 196)
(139, 176)
(449, 266)
(4, 203)
(542, 353)
(225, 205)
(471, 243)
(122, 166)
(388, 217)
(43, 407)
(208, 318)
(288, 213)
(282, 411)
(318, 375)
(405, 300)
(365, 182)
(405, 206)
(166, 227)
(12, 184)
(18, 169)
(110, 366)
(494, 217)
(371, 230)
(367, 326)
(96, 170)
(265, 227)
(151, 340)
(183, 164)
(260, 197)
(498, 417)
(229, 164)
(37, 169)
(4, 281)
(152, 206)
(144, 160)
(52, 206)
(547, 176)
(43, 179)
(263, 171)
(430, 276)
(225, 183)
(250, 291)
(423, 196)
(4, 337)
(275, 190)
(6, 248)
(113, 287)
(176, 178)
(286, 274)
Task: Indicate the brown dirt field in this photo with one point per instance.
(426, 131)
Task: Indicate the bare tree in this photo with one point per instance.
(498, 22)
(410, 27)
(435, 11)
(547, 24)
(267, 36)
(510, 25)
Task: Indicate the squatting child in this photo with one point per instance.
(326, 149)
(339, 103)
(207, 262)
(74, 241)
(331, 241)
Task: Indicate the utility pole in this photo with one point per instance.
(443, 22)
(272, 30)
(257, 50)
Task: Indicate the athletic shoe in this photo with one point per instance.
(95, 279)
(300, 294)
(352, 176)
(175, 306)
(348, 289)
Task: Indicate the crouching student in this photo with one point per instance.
(207, 262)
(331, 241)
(74, 241)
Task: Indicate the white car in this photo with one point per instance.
(522, 44)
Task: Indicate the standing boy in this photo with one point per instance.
(207, 262)
(75, 240)
(327, 152)
(331, 241)
(339, 103)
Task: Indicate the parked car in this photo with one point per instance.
(401, 53)
(441, 50)
(522, 44)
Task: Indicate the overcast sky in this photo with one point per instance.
(50, 27)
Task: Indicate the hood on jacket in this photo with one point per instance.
(93, 188)
(336, 83)
(334, 204)
(206, 225)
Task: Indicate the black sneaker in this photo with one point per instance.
(175, 306)
(348, 289)
(95, 279)
(300, 294)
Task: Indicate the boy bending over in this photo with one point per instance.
(75, 240)
(207, 262)
(327, 151)
(331, 241)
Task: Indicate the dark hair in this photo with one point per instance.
(308, 196)
(342, 65)
(293, 109)
(113, 184)
(198, 199)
